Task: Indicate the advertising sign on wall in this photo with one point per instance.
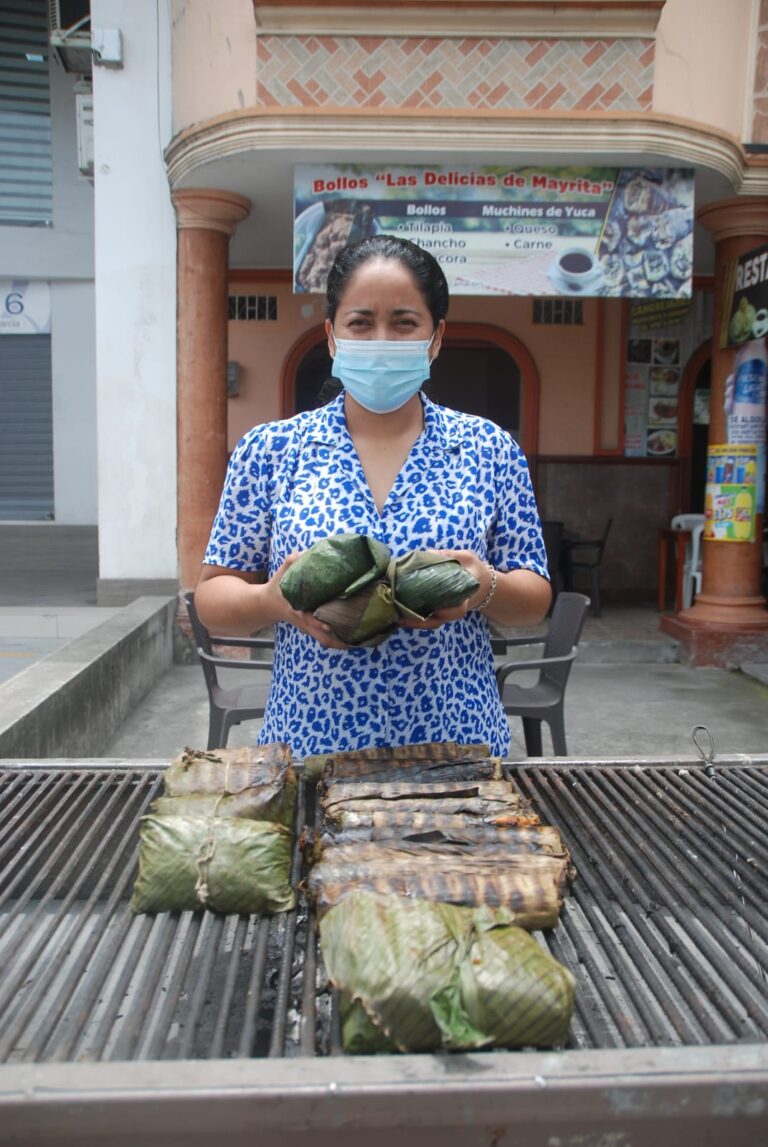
(511, 231)
(746, 405)
(651, 394)
(730, 498)
(25, 307)
(745, 298)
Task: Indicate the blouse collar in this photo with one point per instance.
(444, 429)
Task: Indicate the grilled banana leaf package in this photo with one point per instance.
(255, 783)
(221, 863)
(334, 567)
(530, 886)
(419, 762)
(417, 977)
(424, 581)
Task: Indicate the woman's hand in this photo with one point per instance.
(303, 619)
(240, 602)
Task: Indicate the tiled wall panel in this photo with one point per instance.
(455, 74)
(760, 116)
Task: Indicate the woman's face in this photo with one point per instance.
(382, 301)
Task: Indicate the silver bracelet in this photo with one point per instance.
(492, 589)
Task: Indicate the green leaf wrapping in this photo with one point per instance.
(366, 618)
(425, 580)
(227, 770)
(420, 977)
(259, 802)
(333, 567)
(248, 870)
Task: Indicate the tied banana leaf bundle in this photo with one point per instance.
(223, 864)
(417, 977)
(338, 566)
(261, 802)
(424, 581)
(405, 762)
(530, 886)
(367, 617)
(205, 770)
(256, 783)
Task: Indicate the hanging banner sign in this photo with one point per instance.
(500, 230)
(745, 298)
(25, 307)
(730, 498)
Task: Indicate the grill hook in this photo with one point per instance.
(707, 755)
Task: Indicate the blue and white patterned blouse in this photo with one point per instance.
(464, 485)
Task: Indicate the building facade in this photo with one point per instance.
(199, 127)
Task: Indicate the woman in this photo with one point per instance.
(382, 460)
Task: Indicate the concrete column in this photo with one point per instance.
(206, 221)
(728, 622)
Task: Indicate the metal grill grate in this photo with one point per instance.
(664, 929)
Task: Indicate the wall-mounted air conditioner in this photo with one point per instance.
(69, 23)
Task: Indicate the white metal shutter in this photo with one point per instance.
(26, 187)
(26, 428)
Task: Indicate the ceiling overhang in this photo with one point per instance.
(253, 153)
(614, 137)
(499, 18)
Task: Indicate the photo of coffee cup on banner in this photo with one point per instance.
(576, 270)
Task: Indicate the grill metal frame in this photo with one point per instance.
(665, 930)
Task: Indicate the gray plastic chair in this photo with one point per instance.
(231, 706)
(544, 701)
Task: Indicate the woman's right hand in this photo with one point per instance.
(303, 619)
(240, 602)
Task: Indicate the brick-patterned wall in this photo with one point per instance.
(760, 116)
(468, 74)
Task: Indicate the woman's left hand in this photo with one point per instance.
(479, 570)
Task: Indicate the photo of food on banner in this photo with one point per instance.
(646, 248)
(324, 229)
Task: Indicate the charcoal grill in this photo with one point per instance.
(179, 1028)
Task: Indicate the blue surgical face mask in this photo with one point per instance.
(382, 374)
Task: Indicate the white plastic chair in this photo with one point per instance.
(692, 567)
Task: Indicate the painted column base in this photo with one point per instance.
(720, 635)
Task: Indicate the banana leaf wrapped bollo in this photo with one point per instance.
(334, 567)
(425, 580)
(420, 977)
(224, 864)
(365, 618)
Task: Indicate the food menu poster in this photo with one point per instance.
(745, 298)
(730, 502)
(651, 396)
(571, 231)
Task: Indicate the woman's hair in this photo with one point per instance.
(425, 269)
